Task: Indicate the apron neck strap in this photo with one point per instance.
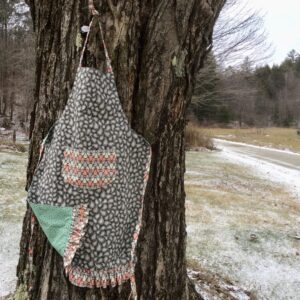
(95, 14)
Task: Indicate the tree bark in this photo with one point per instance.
(157, 47)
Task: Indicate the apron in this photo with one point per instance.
(88, 188)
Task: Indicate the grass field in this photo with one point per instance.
(242, 227)
(281, 138)
(239, 226)
(12, 203)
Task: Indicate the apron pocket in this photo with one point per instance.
(89, 168)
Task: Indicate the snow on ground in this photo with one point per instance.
(239, 225)
(242, 226)
(269, 170)
(288, 151)
(10, 234)
(12, 202)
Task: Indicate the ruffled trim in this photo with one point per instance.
(79, 221)
(101, 278)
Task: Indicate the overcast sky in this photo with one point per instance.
(282, 22)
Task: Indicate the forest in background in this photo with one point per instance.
(17, 57)
(230, 90)
(247, 95)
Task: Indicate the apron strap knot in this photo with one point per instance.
(94, 14)
(92, 8)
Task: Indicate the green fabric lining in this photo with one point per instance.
(56, 223)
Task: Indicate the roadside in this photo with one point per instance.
(242, 227)
(272, 164)
(273, 137)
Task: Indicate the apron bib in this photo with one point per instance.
(88, 188)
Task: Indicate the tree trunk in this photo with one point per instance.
(157, 48)
(4, 101)
(12, 105)
(5, 51)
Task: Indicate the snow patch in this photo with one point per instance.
(257, 147)
(268, 170)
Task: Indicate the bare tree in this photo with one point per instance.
(16, 60)
(240, 33)
(157, 49)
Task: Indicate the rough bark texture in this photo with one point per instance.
(156, 48)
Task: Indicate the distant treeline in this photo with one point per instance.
(247, 95)
(16, 64)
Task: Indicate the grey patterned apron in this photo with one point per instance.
(88, 188)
